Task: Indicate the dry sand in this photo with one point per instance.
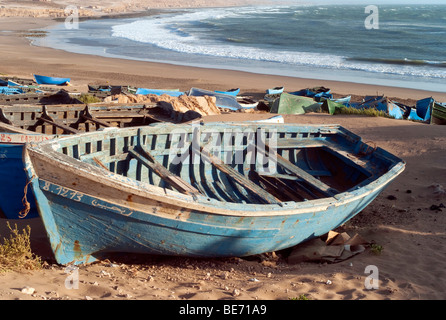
(401, 220)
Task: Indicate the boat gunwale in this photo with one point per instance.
(205, 204)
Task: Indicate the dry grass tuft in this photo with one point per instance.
(15, 252)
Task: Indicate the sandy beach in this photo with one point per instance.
(406, 219)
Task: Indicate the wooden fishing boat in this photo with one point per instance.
(201, 190)
(316, 93)
(21, 124)
(381, 103)
(344, 100)
(248, 103)
(15, 81)
(430, 111)
(51, 80)
(10, 91)
(275, 90)
(13, 84)
(232, 92)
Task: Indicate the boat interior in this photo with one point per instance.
(293, 167)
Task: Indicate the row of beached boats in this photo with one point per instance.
(320, 99)
(109, 179)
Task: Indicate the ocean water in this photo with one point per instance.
(333, 42)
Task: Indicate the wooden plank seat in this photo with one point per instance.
(173, 180)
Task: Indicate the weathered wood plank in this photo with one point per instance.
(61, 126)
(175, 181)
(299, 172)
(239, 178)
(93, 119)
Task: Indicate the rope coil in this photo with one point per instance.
(26, 204)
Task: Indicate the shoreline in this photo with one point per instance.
(103, 69)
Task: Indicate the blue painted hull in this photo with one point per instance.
(92, 228)
(51, 80)
(276, 90)
(13, 181)
(395, 111)
(424, 108)
(345, 101)
(10, 91)
(233, 92)
(89, 212)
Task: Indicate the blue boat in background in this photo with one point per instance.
(395, 110)
(430, 111)
(424, 109)
(381, 103)
(159, 92)
(51, 80)
(344, 100)
(224, 101)
(13, 84)
(176, 190)
(318, 93)
(232, 92)
(275, 90)
(10, 91)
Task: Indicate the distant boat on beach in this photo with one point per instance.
(247, 103)
(51, 80)
(430, 111)
(231, 92)
(275, 90)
